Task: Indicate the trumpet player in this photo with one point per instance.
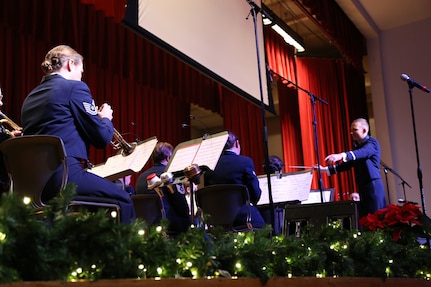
(62, 105)
(4, 135)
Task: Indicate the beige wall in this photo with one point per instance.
(406, 50)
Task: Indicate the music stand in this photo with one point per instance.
(287, 189)
(118, 166)
(204, 152)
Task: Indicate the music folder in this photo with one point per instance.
(118, 166)
(203, 152)
(291, 187)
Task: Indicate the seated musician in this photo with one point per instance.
(233, 168)
(175, 204)
(62, 105)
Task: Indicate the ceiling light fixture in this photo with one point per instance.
(289, 36)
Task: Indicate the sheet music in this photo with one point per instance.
(200, 151)
(290, 187)
(210, 150)
(118, 166)
(314, 197)
(183, 157)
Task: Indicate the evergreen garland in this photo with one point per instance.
(68, 246)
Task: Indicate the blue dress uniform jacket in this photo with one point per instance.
(65, 108)
(238, 169)
(365, 158)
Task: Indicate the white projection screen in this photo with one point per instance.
(216, 37)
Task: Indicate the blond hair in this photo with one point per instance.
(55, 58)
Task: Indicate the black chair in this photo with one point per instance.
(31, 161)
(220, 205)
(148, 207)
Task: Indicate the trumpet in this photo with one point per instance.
(6, 120)
(118, 142)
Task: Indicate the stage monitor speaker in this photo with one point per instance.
(317, 215)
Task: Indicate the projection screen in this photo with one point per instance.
(215, 36)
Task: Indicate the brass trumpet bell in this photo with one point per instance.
(118, 142)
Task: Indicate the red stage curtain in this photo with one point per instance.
(149, 89)
(245, 120)
(325, 79)
(336, 82)
(111, 8)
(281, 59)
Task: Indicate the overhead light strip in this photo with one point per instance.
(289, 36)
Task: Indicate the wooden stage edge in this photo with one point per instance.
(240, 282)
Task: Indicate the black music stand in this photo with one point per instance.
(203, 152)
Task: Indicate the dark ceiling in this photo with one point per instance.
(316, 42)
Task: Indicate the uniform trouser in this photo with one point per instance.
(90, 184)
(372, 197)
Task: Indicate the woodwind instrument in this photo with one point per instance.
(6, 120)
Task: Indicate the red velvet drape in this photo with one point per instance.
(322, 77)
(339, 83)
(336, 82)
(245, 119)
(281, 59)
(149, 89)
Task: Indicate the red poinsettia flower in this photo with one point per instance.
(396, 234)
(393, 218)
(372, 222)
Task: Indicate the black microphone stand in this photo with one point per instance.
(386, 168)
(254, 10)
(419, 169)
(313, 99)
(206, 135)
(387, 184)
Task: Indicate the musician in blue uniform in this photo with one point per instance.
(175, 204)
(365, 158)
(233, 168)
(62, 105)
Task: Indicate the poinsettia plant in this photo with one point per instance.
(398, 219)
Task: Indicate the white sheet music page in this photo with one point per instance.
(142, 154)
(199, 151)
(118, 165)
(210, 150)
(290, 187)
(183, 157)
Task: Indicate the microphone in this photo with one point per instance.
(269, 73)
(137, 140)
(183, 125)
(411, 82)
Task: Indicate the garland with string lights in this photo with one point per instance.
(88, 246)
